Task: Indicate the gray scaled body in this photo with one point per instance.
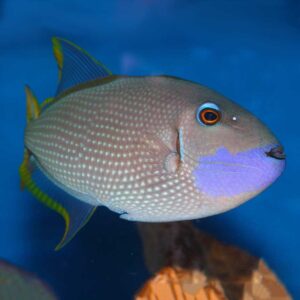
(151, 148)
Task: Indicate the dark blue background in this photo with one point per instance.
(247, 50)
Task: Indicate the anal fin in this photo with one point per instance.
(79, 214)
(75, 213)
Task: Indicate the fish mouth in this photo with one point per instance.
(277, 153)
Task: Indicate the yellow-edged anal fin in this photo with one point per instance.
(73, 223)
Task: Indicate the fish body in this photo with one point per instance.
(153, 148)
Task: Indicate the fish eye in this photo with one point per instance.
(208, 114)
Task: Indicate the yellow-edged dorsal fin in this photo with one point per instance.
(58, 54)
(75, 65)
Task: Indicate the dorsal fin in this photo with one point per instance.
(75, 65)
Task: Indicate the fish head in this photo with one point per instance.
(232, 156)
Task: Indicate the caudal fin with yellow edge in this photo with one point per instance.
(72, 225)
(32, 106)
(30, 185)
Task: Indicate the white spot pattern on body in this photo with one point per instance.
(99, 141)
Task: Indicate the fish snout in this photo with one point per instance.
(277, 153)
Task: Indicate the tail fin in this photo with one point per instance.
(32, 106)
(74, 222)
(32, 112)
(28, 182)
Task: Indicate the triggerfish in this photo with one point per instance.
(152, 148)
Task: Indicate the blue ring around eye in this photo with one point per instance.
(205, 106)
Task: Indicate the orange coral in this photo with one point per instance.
(191, 265)
(178, 284)
(175, 283)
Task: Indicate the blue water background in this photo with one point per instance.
(247, 50)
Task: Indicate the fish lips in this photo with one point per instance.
(276, 152)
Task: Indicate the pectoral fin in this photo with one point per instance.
(169, 152)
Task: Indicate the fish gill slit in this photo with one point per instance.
(179, 144)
